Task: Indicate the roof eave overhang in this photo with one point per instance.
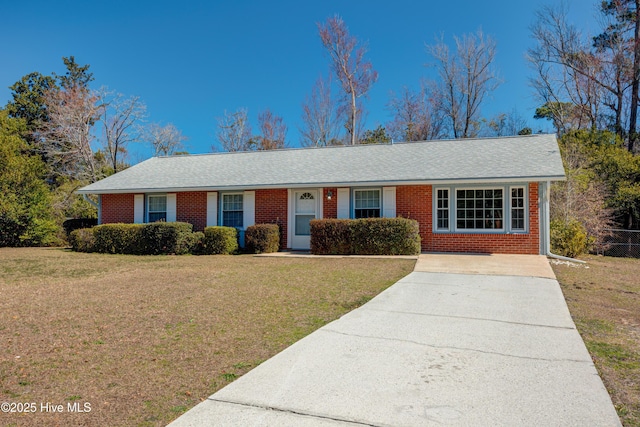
(448, 181)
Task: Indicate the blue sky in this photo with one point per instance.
(190, 61)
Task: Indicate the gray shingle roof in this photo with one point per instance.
(510, 159)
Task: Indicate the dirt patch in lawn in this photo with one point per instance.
(139, 340)
(604, 300)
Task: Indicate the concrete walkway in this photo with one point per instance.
(439, 347)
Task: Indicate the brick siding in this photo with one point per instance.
(330, 207)
(116, 208)
(191, 207)
(416, 202)
(412, 201)
(272, 208)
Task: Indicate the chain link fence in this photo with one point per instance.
(622, 243)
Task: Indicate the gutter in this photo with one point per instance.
(547, 231)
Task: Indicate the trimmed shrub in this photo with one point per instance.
(219, 240)
(385, 236)
(82, 240)
(262, 238)
(367, 236)
(331, 237)
(145, 239)
(166, 238)
(118, 238)
(78, 223)
(197, 245)
(568, 238)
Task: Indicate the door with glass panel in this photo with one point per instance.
(305, 208)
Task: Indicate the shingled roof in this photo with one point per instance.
(507, 159)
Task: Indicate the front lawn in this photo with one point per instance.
(143, 339)
(604, 299)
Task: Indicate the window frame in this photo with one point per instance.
(525, 208)
(148, 210)
(506, 209)
(222, 210)
(353, 198)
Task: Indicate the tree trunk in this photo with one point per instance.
(354, 112)
(633, 116)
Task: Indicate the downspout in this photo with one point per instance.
(547, 229)
(91, 202)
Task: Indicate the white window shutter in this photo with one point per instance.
(389, 202)
(171, 207)
(249, 207)
(343, 203)
(212, 209)
(138, 208)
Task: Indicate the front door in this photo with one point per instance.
(305, 208)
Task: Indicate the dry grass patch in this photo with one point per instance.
(142, 339)
(604, 300)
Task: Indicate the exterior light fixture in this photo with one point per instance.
(329, 194)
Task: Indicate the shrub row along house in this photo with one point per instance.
(487, 195)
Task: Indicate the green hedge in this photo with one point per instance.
(370, 236)
(118, 238)
(219, 240)
(82, 240)
(262, 238)
(141, 239)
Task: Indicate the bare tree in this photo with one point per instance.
(273, 131)
(570, 80)
(466, 78)
(321, 116)
(166, 140)
(416, 116)
(356, 75)
(234, 131)
(507, 124)
(581, 197)
(121, 125)
(67, 135)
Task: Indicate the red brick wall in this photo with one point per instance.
(414, 202)
(271, 208)
(528, 243)
(330, 207)
(191, 207)
(116, 208)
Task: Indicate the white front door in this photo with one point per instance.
(305, 205)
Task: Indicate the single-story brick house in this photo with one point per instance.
(486, 195)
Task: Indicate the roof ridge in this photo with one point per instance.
(342, 146)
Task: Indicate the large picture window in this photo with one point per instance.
(366, 203)
(481, 209)
(157, 208)
(232, 210)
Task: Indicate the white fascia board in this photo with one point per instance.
(517, 179)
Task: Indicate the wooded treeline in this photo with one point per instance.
(58, 134)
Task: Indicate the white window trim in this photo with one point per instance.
(525, 195)
(506, 210)
(353, 198)
(146, 205)
(434, 211)
(221, 206)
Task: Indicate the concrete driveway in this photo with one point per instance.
(439, 347)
